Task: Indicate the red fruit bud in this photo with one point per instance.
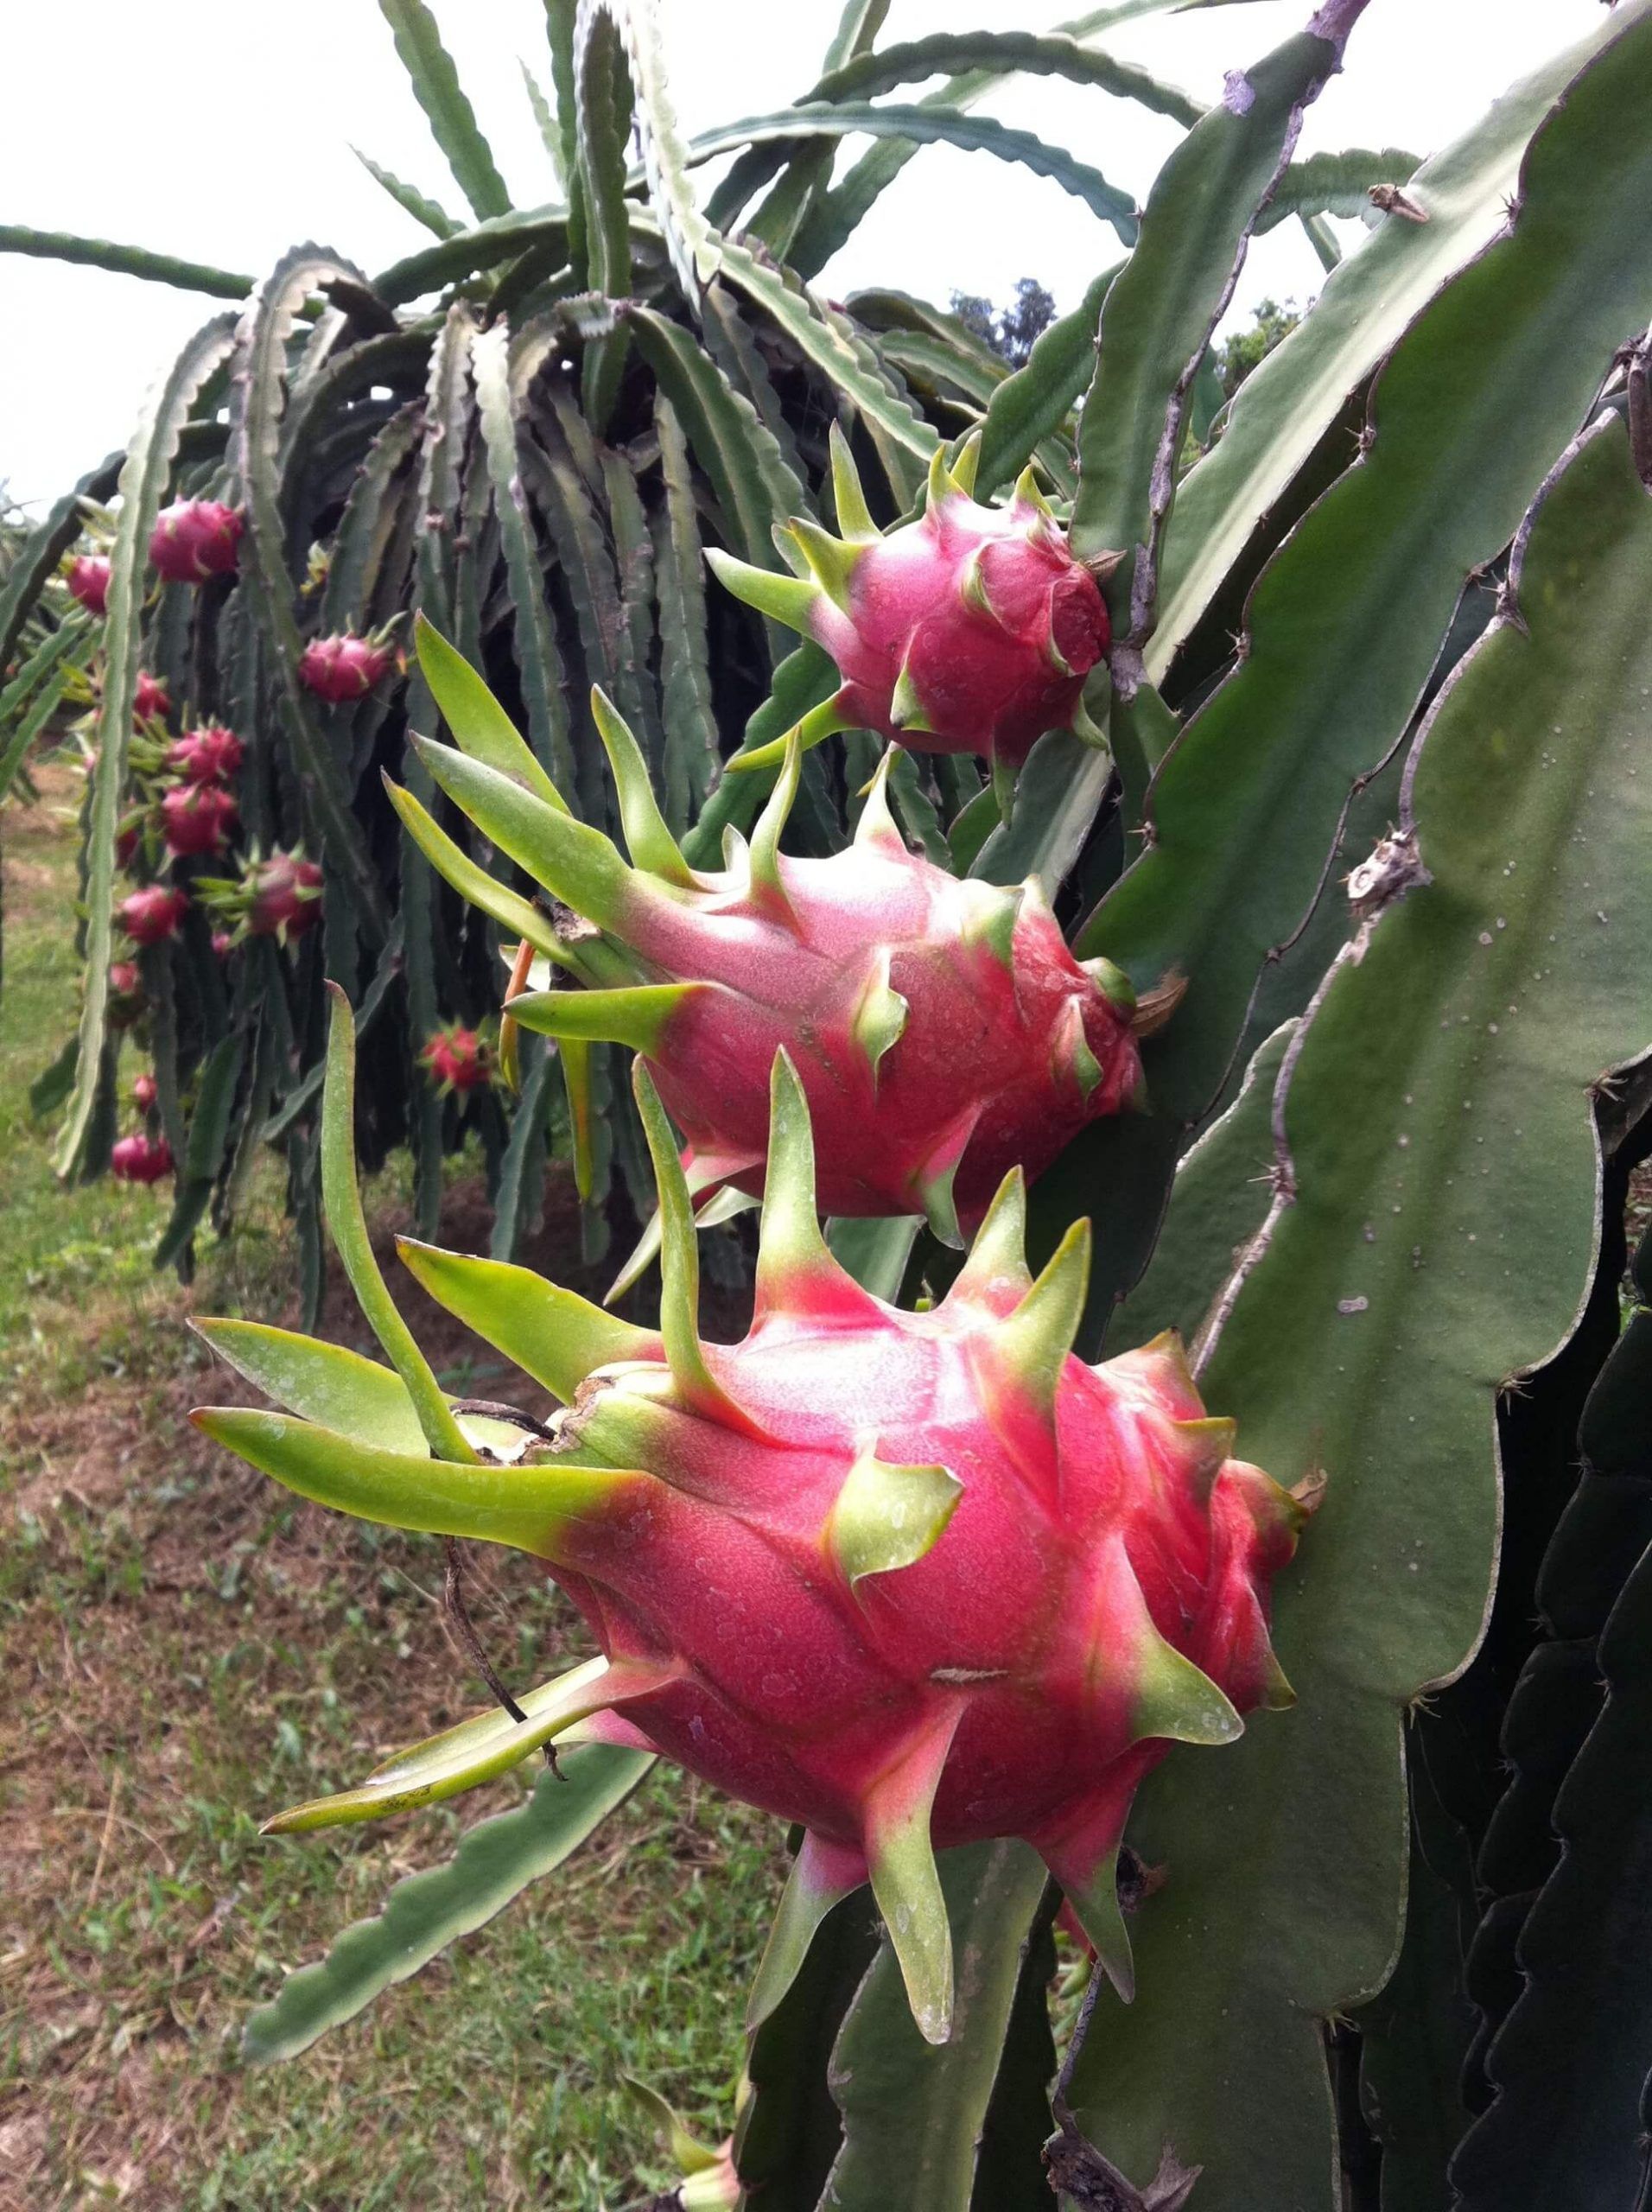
(125, 993)
(198, 818)
(223, 943)
(89, 581)
(152, 914)
(153, 701)
(285, 897)
(211, 755)
(457, 1061)
(140, 1159)
(340, 668)
(196, 540)
(144, 1092)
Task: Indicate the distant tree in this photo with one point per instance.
(1237, 356)
(1012, 330)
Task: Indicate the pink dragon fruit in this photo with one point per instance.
(971, 630)
(223, 943)
(88, 582)
(198, 818)
(341, 668)
(279, 897)
(209, 755)
(144, 1092)
(909, 1580)
(140, 1159)
(153, 702)
(152, 913)
(286, 900)
(942, 1030)
(194, 539)
(457, 1059)
(125, 993)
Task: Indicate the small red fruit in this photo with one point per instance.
(89, 581)
(340, 668)
(140, 1159)
(198, 818)
(153, 700)
(125, 993)
(457, 1059)
(285, 897)
(152, 913)
(210, 755)
(223, 943)
(144, 1093)
(194, 539)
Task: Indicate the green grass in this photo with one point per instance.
(187, 1650)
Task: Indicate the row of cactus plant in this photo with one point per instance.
(1269, 1014)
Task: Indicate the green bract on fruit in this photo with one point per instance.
(971, 630)
(910, 1579)
(941, 1029)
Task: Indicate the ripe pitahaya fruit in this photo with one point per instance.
(140, 1159)
(280, 897)
(458, 1060)
(343, 667)
(88, 582)
(144, 1091)
(152, 913)
(194, 539)
(153, 702)
(971, 630)
(286, 896)
(910, 1579)
(942, 1030)
(198, 818)
(209, 755)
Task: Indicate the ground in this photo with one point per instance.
(186, 1649)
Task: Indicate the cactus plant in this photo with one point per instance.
(1366, 833)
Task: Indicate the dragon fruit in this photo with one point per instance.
(209, 755)
(286, 896)
(140, 1159)
(125, 993)
(457, 1059)
(942, 1030)
(341, 668)
(194, 539)
(280, 897)
(152, 913)
(144, 1091)
(971, 630)
(909, 1580)
(198, 818)
(88, 582)
(153, 702)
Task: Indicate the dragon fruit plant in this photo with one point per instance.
(964, 1586)
(1327, 1007)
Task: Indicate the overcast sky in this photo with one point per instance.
(220, 131)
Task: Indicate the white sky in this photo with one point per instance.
(220, 131)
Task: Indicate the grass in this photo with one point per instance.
(187, 1650)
